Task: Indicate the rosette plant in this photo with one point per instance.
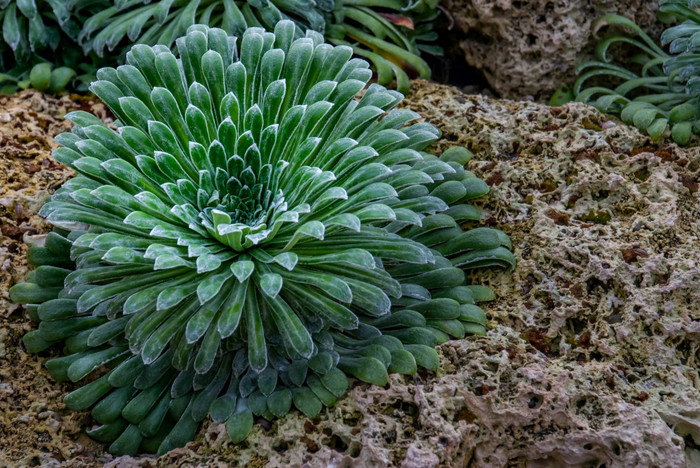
(255, 231)
(663, 94)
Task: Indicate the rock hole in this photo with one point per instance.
(601, 195)
(281, 447)
(535, 401)
(355, 449)
(353, 419)
(617, 450)
(593, 284)
(336, 443)
(580, 403)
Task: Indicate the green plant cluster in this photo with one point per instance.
(79, 34)
(261, 226)
(37, 45)
(664, 94)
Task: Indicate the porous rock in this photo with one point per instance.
(35, 428)
(592, 352)
(531, 47)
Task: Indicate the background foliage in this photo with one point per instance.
(663, 92)
(391, 34)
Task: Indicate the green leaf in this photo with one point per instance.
(211, 285)
(321, 363)
(222, 408)
(335, 381)
(307, 402)
(153, 421)
(240, 423)
(367, 369)
(108, 432)
(271, 284)
(60, 78)
(257, 349)
(85, 396)
(242, 269)
(110, 407)
(290, 327)
(280, 402)
(425, 356)
(11, 28)
(287, 259)
(681, 132)
(34, 342)
(182, 432)
(231, 314)
(25, 293)
(297, 371)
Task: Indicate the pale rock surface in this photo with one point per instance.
(591, 358)
(530, 47)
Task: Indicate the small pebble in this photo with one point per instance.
(608, 124)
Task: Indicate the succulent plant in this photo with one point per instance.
(665, 92)
(257, 230)
(391, 34)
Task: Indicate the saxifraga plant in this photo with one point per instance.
(253, 233)
(665, 93)
(389, 33)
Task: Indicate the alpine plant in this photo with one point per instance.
(256, 231)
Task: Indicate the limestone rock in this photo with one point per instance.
(592, 354)
(530, 47)
(36, 429)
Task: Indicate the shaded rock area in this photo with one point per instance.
(531, 47)
(592, 353)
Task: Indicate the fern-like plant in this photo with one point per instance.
(253, 233)
(665, 92)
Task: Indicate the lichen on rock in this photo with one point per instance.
(592, 353)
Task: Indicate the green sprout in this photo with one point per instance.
(253, 233)
(665, 93)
